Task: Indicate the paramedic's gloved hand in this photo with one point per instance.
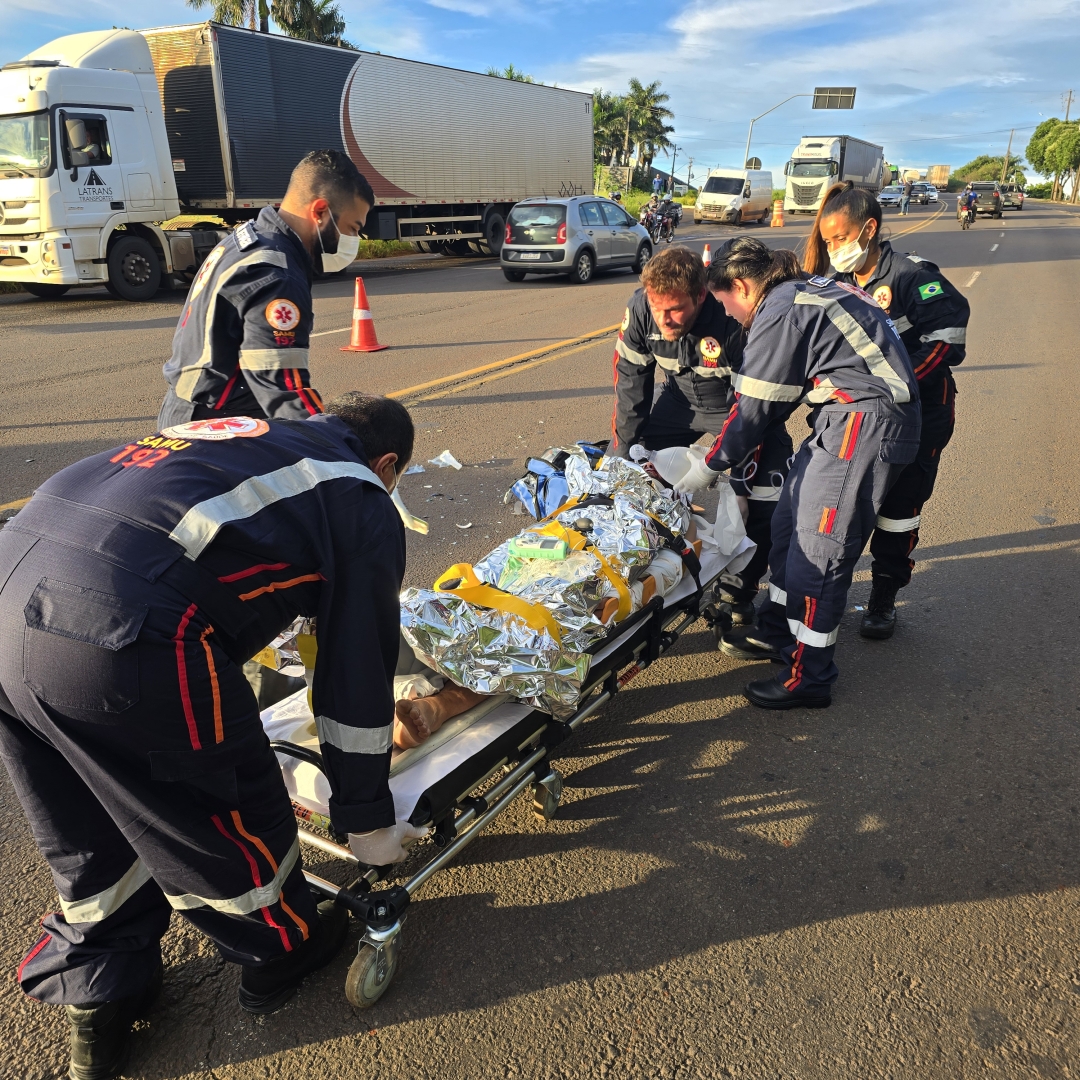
(698, 477)
(384, 846)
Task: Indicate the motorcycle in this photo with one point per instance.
(667, 219)
(967, 216)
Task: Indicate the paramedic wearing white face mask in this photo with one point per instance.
(241, 347)
(931, 316)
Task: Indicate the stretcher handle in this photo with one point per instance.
(461, 580)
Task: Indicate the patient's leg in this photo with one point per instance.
(417, 718)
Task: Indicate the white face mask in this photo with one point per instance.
(850, 258)
(347, 247)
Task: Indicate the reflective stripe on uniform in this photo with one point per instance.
(201, 523)
(954, 335)
(711, 372)
(669, 363)
(898, 525)
(777, 596)
(354, 740)
(766, 391)
(624, 350)
(822, 392)
(860, 341)
(101, 905)
(244, 904)
(815, 638)
(903, 324)
(766, 494)
(273, 359)
(189, 375)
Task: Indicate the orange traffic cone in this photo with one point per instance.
(706, 255)
(363, 326)
(777, 214)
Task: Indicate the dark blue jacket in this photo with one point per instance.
(929, 312)
(241, 346)
(821, 343)
(260, 522)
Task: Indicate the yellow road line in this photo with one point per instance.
(474, 383)
(18, 504)
(496, 365)
(922, 224)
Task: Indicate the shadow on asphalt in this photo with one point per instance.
(685, 827)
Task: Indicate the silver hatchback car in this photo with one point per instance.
(577, 237)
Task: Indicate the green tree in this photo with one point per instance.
(609, 112)
(1054, 150)
(510, 72)
(238, 12)
(988, 167)
(645, 112)
(311, 20)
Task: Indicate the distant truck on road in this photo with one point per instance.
(819, 161)
(106, 136)
(938, 175)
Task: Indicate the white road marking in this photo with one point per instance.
(995, 247)
(323, 333)
(974, 277)
(1002, 234)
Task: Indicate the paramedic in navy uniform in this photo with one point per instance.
(241, 346)
(134, 585)
(829, 345)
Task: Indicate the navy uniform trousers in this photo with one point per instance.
(897, 530)
(135, 747)
(837, 484)
(675, 420)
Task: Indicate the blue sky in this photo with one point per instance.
(936, 84)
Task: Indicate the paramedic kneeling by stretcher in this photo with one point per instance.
(829, 345)
(137, 582)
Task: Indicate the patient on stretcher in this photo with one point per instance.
(424, 701)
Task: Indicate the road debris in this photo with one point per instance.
(445, 460)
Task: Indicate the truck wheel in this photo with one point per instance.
(584, 265)
(134, 269)
(494, 233)
(44, 290)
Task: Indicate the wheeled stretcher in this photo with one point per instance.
(469, 772)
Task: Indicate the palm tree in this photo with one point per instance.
(608, 120)
(311, 20)
(645, 113)
(510, 72)
(238, 12)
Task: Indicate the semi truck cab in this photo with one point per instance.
(85, 170)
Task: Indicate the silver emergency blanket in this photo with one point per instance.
(284, 651)
(491, 651)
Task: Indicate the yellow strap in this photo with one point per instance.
(474, 591)
(577, 542)
(267, 657)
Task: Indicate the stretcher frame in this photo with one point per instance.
(461, 804)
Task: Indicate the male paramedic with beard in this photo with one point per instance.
(133, 587)
(241, 347)
(673, 322)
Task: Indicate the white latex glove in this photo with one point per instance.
(698, 477)
(384, 846)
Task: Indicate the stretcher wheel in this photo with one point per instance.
(547, 794)
(371, 973)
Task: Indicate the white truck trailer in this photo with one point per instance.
(819, 161)
(106, 136)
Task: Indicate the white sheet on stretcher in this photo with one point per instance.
(414, 771)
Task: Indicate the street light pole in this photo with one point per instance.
(749, 134)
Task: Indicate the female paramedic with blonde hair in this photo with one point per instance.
(816, 341)
(931, 316)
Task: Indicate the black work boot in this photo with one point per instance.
(746, 643)
(101, 1034)
(773, 694)
(265, 988)
(879, 619)
(742, 612)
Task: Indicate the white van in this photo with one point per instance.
(734, 196)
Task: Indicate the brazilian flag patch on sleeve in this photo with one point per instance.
(930, 290)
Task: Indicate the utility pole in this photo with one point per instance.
(1005, 167)
(689, 174)
(674, 150)
(1057, 176)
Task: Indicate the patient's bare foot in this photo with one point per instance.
(418, 718)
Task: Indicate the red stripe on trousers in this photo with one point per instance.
(181, 670)
(615, 410)
(796, 669)
(856, 424)
(32, 953)
(226, 392)
(255, 570)
(256, 878)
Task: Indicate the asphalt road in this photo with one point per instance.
(886, 889)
